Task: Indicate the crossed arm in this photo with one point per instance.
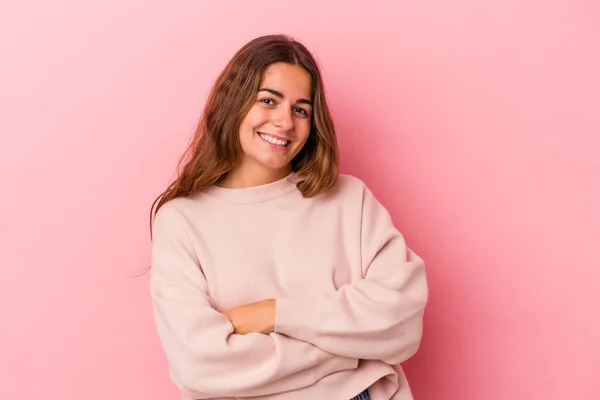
(378, 317)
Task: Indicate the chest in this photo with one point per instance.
(277, 253)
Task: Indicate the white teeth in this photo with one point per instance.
(273, 140)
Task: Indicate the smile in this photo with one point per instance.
(272, 140)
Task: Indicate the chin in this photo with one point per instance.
(272, 161)
(275, 167)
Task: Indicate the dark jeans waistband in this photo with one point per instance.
(362, 396)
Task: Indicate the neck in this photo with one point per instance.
(249, 177)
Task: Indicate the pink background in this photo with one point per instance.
(476, 123)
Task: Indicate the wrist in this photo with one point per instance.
(268, 312)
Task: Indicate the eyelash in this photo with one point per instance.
(302, 111)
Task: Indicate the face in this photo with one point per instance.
(278, 124)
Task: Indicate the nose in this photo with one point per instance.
(283, 119)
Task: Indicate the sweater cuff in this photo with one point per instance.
(298, 317)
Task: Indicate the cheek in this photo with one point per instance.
(303, 130)
(255, 117)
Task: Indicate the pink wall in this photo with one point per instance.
(476, 123)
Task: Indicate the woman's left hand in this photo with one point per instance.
(258, 317)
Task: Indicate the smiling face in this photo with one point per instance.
(277, 126)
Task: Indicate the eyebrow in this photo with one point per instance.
(280, 95)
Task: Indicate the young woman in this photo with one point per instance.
(272, 276)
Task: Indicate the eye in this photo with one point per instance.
(268, 101)
(301, 111)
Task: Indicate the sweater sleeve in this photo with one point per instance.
(206, 359)
(378, 317)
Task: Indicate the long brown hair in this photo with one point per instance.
(215, 148)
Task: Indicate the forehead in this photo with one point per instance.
(291, 80)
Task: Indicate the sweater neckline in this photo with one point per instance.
(255, 194)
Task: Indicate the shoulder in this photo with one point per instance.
(175, 212)
(350, 185)
(353, 189)
(349, 193)
(350, 180)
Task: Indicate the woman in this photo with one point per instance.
(272, 276)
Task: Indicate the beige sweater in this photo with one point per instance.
(349, 293)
